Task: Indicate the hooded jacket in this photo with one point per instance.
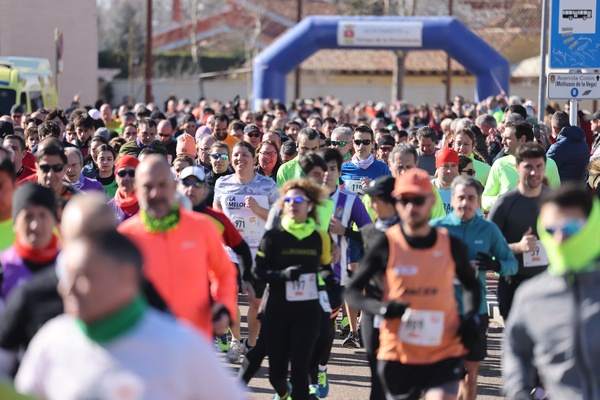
(571, 154)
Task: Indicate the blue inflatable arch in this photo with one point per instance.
(433, 33)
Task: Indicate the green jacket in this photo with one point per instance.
(133, 149)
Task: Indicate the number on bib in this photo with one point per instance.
(422, 327)
(304, 289)
(537, 257)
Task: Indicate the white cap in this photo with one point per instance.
(194, 170)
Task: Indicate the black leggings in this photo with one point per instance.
(330, 337)
(253, 359)
(370, 337)
(291, 336)
(322, 346)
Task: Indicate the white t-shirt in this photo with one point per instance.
(158, 359)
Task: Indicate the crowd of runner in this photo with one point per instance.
(127, 236)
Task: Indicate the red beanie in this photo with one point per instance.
(446, 155)
(126, 161)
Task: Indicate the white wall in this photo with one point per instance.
(27, 30)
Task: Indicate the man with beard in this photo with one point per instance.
(488, 251)
(420, 335)
(183, 252)
(219, 130)
(516, 214)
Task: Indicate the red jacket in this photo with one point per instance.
(188, 266)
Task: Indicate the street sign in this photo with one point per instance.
(574, 34)
(574, 86)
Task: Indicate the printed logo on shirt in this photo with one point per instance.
(188, 245)
(478, 242)
(406, 270)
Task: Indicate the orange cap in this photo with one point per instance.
(414, 181)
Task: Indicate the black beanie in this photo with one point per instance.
(31, 194)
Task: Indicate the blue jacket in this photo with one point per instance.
(571, 154)
(480, 235)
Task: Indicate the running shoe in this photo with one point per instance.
(323, 383)
(235, 352)
(224, 341)
(288, 396)
(313, 392)
(351, 342)
(245, 345)
(345, 327)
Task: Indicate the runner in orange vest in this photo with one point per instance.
(421, 347)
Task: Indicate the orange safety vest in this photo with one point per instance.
(423, 278)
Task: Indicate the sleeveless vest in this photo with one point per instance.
(423, 278)
(14, 271)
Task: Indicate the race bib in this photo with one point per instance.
(353, 185)
(304, 289)
(537, 257)
(422, 327)
(377, 320)
(324, 300)
(248, 224)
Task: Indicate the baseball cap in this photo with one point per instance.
(595, 115)
(382, 186)
(194, 170)
(414, 181)
(251, 128)
(186, 145)
(445, 155)
(386, 141)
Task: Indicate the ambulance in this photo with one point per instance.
(26, 81)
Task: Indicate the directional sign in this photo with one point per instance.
(574, 86)
(575, 34)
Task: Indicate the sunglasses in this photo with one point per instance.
(192, 182)
(366, 142)
(569, 228)
(386, 149)
(216, 156)
(122, 173)
(341, 144)
(415, 201)
(268, 154)
(469, 172)
(163, 135)
(253, 135)
(296, 199)
(54, 167)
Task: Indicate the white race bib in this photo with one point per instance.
(249, 225)
(324, 300)
(304, 289)
(353, 185)
(422, 327)
(537, 257)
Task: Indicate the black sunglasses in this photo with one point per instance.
(341, 144)
(192, 182)
(469, 172)
(122, 173)
(416, 200)
(54, 167)
(253, 135)
(366, 142)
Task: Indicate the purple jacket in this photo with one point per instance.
(86, 184)
(14, 271)
(120, 215)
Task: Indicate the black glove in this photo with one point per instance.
(394, 309)
(470, 330)
(485, 262)
(291, 273)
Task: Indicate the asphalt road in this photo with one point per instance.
(349, 373)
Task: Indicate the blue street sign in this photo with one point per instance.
(574, 34)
